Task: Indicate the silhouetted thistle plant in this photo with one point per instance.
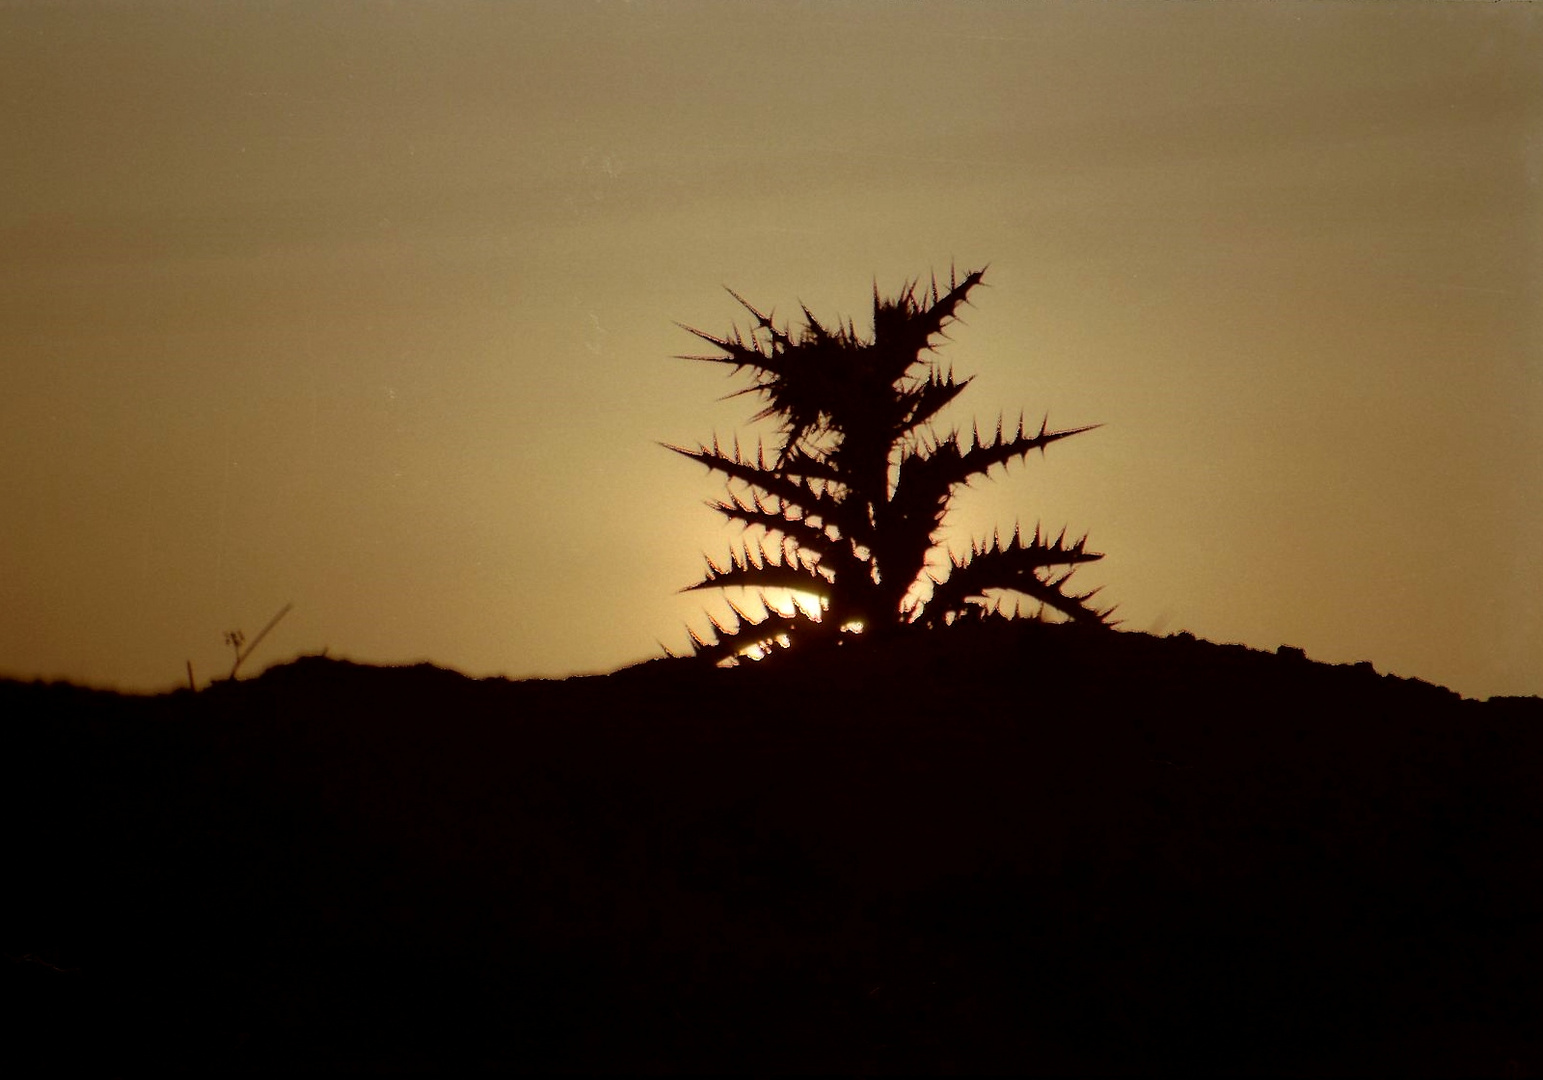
(859, 483)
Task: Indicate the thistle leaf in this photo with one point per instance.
(906, 326)
(790, 488)
(983, 455)
(766, 634)
(746, 571)
(1016, 565)
(777, 519)
(919, 406)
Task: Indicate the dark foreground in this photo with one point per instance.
(1020, 851)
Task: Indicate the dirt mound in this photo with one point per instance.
(994, 848)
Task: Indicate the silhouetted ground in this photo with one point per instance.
(1000, 849)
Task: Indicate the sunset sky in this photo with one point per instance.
(372, 308)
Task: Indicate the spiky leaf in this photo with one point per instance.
(748, 569)
(774, 631)
(1018, 565)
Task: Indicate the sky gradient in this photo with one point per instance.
(373, 308)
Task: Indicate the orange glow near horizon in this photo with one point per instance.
(374, 310)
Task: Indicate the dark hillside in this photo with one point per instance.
(1017, 849)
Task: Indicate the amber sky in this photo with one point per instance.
(371, 308)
